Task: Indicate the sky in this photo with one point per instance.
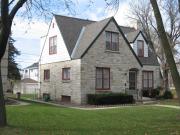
(27, 34)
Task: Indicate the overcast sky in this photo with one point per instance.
(27, 36)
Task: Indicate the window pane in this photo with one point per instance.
(150, 75)
(66, 73)
(98, 83)
(106, 83)
(145, 83)
(106, 78)
(108, 36)
(145, 75)
(140, 48)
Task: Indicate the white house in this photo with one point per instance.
(31, 72)
(81, 57)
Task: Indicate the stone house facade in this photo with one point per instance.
(80, 57)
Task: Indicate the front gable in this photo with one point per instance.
(99, 45)
(134, 44)
(61, 53)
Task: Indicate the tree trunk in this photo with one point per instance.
(3, 121)
(167, 48)
(166, 78)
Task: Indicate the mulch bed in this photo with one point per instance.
(11, 102)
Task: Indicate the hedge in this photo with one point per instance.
(109, 99)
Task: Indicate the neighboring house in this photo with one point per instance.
(31, 72)
(4, 69)
(26, 86)
(80, 57)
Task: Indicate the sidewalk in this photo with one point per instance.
(168, 106)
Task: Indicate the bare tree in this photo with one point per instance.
(142, 12)
(32, 8)
(166, 46)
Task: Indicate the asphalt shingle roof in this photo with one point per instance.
(70, 29)
(90, 33)
(34, 65)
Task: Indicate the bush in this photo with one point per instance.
(151, 93)
(109, 99)
(168, 95)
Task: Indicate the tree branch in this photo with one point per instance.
(16, 8)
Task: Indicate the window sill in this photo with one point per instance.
(103, 90)
(66, 81)
(110, 51)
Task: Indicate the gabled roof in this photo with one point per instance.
(28, 80)
(126, 29)
(90, 33)
(70, 29)
(151, 59)
(80, 34)
(34, 65)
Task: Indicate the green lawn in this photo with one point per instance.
(169, 102)
(39, 119)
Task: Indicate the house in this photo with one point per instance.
(4, 69)
(31, 72)
(81, 57)
(26, 86)
(30, 80)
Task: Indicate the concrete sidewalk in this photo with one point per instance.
(168, 106)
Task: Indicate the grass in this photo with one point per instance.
(39, 119)
(170, 102)
(24, 96)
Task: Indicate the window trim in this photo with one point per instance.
(51, 53)
(101, 89)
(63, 78)
(45, 75)
(148, 88)
(142, 48)
(111, 32)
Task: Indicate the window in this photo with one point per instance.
(102, 78)
(46, 74)
(140, 48)
(147, 79)
(53, 45)
(132, 80)
(66, 74)
(112, 41)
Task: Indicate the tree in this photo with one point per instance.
(13, 70)
(166, 47)
(142, 12)
(32, 8)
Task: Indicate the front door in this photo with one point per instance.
(132, 80)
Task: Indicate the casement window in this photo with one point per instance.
(53, 45)
(66, 73)
(140, 48)
(112, 41)
(102, 78)
(132, 80)
(147, 79)
(46, 75)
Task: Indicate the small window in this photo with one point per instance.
(46, 74)
(53, 45)
(102, 78)
(66, 74)
(140, 48)
(112, 41)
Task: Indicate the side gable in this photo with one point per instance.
(100, 32)
(62, 52)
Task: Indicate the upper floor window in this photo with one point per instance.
(112, 41)
(140, 48)
(46, 74)
(66, 74)
(53, 45)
